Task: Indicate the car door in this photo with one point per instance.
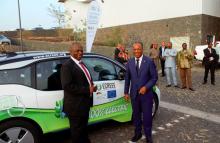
(16, 88)
(48, 83)
(105, 77)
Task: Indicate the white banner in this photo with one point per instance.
(92, 20)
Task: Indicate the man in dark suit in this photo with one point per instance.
(141, 74)
(78, 88)
(210, 61)
(161, 56)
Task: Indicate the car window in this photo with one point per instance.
(16, 76)
(48, 75)
(100, 69)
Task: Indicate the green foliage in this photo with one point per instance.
(79, 33)
(58, 14)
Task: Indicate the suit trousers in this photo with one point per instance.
(142, 114)
(78, 128)
(186, 77)
(162, 62)
(171, 72)
(210, 67)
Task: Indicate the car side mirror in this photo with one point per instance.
(121, 75)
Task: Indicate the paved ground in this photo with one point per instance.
(169, 126)
(205, 98)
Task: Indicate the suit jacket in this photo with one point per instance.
(170, 55)
(77, 99)
(147, 77)
(184, 59)
(160, 52)
(207, 55)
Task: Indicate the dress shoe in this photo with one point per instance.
(204, 82)
(149, 140)
(176, 86)
(168, 85)
(183, 87)
(191, 89)
(213, 83)
(136, 138)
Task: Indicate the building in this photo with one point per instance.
(152, 20)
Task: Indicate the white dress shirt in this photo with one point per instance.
(140, 60)
(163, 50)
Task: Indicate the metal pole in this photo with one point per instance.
(21, 40)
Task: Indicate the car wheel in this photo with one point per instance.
(19, 131)
(155, 105)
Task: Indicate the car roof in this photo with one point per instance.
(33, 56)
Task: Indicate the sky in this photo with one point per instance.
(34, 13)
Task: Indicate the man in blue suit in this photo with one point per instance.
(141, 76)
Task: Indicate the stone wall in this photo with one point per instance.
(156, 31)
(210, 25)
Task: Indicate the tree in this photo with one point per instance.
(58, 14)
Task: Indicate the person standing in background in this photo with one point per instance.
(141, 76)
(154, 54)
(184, 65)
(120, 54)
(210, 61)
(162, 58)
(170, 64)
(124, 54)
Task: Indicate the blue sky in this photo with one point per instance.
(34, 13)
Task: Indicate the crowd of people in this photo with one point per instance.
(173, 62)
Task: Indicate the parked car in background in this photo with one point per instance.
(199, 50)
(4, 40)
(217, 44)
(31, 97)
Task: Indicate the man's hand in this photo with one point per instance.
(143, 90)
(126, 97)
(92, 89)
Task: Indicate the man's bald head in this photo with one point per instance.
(76, 50)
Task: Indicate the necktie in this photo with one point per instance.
(86, 72)
(137, 65)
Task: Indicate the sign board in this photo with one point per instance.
(92, 21)
(178, 41)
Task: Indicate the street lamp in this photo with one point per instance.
(21, 41)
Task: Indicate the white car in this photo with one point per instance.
(31, 95)
(4, 40)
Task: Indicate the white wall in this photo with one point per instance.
(120, 12)
(211, 7)
(79, 14)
